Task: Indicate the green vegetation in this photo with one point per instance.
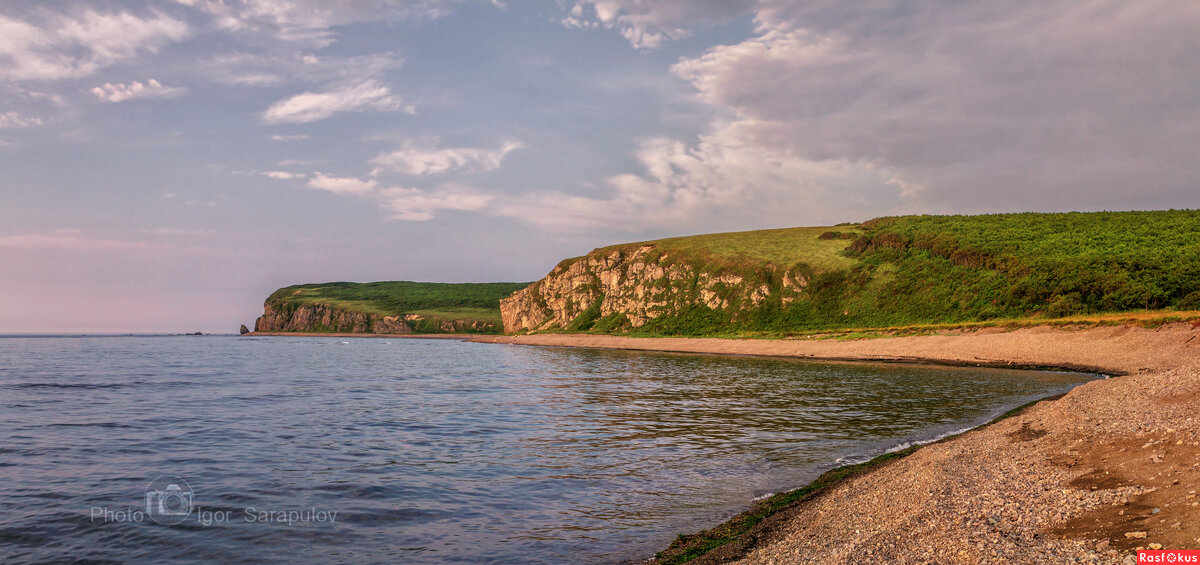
(947, 270)
(785, 247)
(460, 303)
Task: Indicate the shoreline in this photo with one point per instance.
(1023, 348)
(361, 335)
(740, 534)
(1109, 467)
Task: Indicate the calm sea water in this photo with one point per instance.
(326, 450)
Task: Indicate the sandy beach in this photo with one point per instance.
(1111, 467)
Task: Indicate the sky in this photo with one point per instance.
(165, 165)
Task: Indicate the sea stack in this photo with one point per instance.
(244, 330)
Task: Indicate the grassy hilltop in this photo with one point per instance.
(918, 270)
(434, 302)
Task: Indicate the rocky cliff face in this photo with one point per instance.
(323, 318)
(629, 287)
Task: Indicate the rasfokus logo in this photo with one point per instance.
(169, 500)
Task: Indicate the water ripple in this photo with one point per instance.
(431, 451)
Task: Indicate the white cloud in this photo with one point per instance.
(62, 46)
(68, 239)
(422, 161)
(18, 120)
(647, 24)
(970, 107)
(723, 180)
(309, 21)
(341, 185)
(294, 137)
(120, 91)
(284, 175)
(314, 106)
(417, 205)
(272, 68)
(411, 204)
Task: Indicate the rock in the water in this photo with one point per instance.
(244, 330)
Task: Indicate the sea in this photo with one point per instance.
(228, 449)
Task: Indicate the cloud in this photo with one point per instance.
(422, 161)
(1039, 105)
(724, 181)
(341, 185)
(647, 24)
(401, 203)
(119, 92)
(15, 120)
(69, 240)
(273, 68)
(284, 175)
(294, 137)
(309, 21)
(56, 46)
(314, 106)
(834, 111)
(417, 205)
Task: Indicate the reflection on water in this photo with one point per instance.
(434, 451)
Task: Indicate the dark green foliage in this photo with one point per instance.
(694, 320)
(587, 319)
(1053, 264)
(914, 270)
(611, 323)
(399, 297)
(1065, 305)
(1190, 302)
(442, 307)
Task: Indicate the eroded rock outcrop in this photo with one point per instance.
(323, 318)
(630, 286)
(278, 317)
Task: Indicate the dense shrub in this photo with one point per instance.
(949, 269)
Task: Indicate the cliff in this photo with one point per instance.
(632, 286)
(396, 307)
(324, 318)
(895, 271)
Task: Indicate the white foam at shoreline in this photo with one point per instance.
(855, 460)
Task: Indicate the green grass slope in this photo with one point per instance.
(913, 270)
(469, 302)
(784, 247)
